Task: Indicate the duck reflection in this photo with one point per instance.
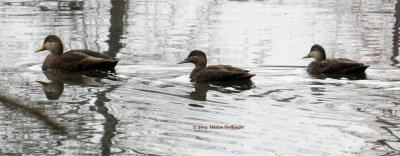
(201, 89)
(355, 76)
(54, 89)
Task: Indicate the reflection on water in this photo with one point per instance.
(149, 105)
(396, 35)
(52, 90)
(235, 86)
(20, 107)
(355, 76)
(55, 88)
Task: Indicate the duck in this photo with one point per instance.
(73, 60)
(204, 73)
(321, 65)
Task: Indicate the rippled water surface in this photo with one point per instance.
(149, 105)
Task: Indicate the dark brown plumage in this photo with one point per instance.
(202, 73)
(73, 60)
(321, 65)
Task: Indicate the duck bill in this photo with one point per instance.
(40, 49)
(308, 56)
(183, 61)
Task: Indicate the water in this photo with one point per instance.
(149, 106)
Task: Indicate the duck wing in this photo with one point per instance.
(221, 73)
(91, 53)
(226, 67)
(336, 66)
(79, 61)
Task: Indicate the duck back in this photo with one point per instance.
(227, 68)
(221, 73)
(91, 53)
(79, 60)
(336, 66)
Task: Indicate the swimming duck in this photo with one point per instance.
(202, 73)
(73, 60)
(321, 65)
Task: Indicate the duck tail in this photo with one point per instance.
(360, 69)
(248, 76)
(105, 65)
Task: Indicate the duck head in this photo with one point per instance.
(196, 57)
(53, 44)
(317, 52)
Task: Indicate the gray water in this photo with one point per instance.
(149, 106)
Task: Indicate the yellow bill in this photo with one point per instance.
(40, 49)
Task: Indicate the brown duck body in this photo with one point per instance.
(336, 66)
(79, 60)
(73, 60)
(203, 73)
(321, 65)
(219, 73)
